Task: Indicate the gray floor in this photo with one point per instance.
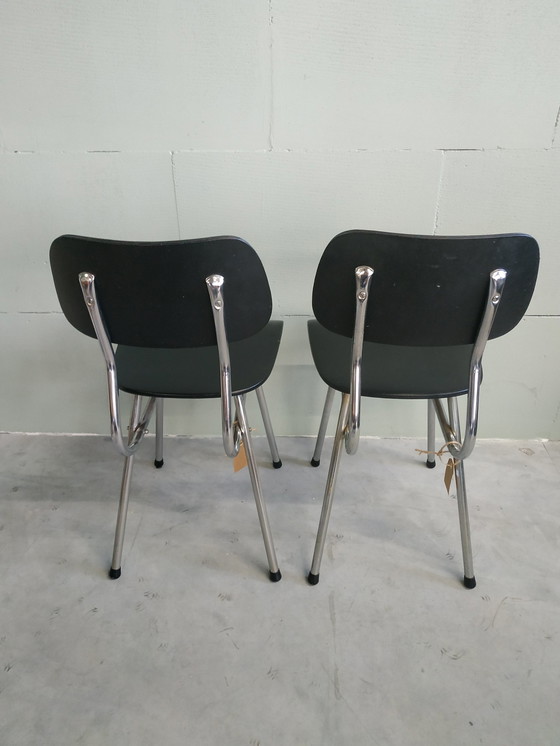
(193, 645)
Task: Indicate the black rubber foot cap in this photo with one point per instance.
(275, 576)
(469, 582)
(430, 464)
(313, 579)
(114, 574)
(277, 464)
(315, 462)
(158, 464)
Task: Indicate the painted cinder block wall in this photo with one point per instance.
(283, 122)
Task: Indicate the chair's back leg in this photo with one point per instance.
(464, 524)
(313, 576)
(274, 572)
(431, 447)
(276, 461)
(158, 462)
(115, 571)
(316, 458)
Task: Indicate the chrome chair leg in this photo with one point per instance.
(276, 460)
(313, 577)
(115, 571)
(469, 579)
(158, 462)
(274, 572)
(431, 447)
(316, 458)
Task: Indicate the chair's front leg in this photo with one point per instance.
(316, 458)
(158, 462)
(313, 577)
(431, 447)
(276, 460)
(274, 572)
(115, 571)
(464, 524)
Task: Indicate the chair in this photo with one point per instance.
(191, 320)
(408, 317)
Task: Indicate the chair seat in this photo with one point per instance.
(391, 371)
(194, 373)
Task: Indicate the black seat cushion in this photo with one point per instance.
(194, 373)
(391, 371)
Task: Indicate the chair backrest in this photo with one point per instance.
(154, 294)
(426, 290)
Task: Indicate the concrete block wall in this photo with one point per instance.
(283, 122)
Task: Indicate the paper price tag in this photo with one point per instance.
(240, 461)
(451, 463)
(449, 473)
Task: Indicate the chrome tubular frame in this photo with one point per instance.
(276, 460)
(128, 446)
(158, 461)
(234, 432)
(245, 432)
(431, 446)
(316, 458)
(115, 571)
(462, 507)
(231, 433)
(459, 450)
(313, 577)
(352, 434)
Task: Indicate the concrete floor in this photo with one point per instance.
(193, 645)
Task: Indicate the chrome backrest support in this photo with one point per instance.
(231, 433)
(363, 276)
(495, 292)
(129, 445)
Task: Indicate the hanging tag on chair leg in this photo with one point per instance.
(240, 461)
(449, 474)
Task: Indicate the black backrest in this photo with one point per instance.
(155, 295)
(426, 290)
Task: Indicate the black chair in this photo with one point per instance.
(191, 320)
(408, 317)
